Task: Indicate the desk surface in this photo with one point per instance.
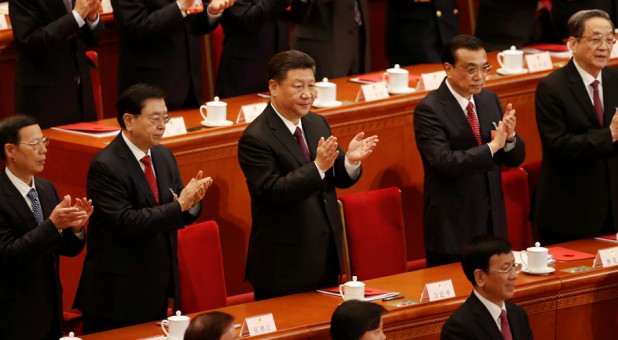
(307, 315)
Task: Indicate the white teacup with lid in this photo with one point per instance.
(70, 337)
(396, 78)
(535, 259)
(215, 112)
(177, 325)
(327, 92)
(352, 290)
(511, 60)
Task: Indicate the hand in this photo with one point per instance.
(360, 148)
(185, 4)
(509, 120)
(326, 153)
(194, 191)
(85, 205)
(94, 11)
(83, 7)
(613, 126)
(66, 216)
(215, 7)
(499, 139)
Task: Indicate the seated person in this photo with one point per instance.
(357, 320)
(489, 264)
(211, 325)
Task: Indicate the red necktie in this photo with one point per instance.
(301, 142)
(150, 177)
(474, 123)
(598, 106)
(504, 325)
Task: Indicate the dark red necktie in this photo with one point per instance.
(301, 142)
(598, 106)
(474, 123)
(504, 326)
(150, 177)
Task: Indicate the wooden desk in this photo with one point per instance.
(559, 305)
(396, 162)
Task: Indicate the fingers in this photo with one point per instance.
(199, 175)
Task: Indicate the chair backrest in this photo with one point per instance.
(533, 169)
(95, 78)
(373, 223)
(200, 263)
(517, 204)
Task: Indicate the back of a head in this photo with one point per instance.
(9, 129)
(465, 41)
(577, 22)
(282, 62)
(353, 318)
(477, 254)
(208, 326)
(132, 99)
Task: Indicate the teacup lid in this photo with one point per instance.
(354, 283)
(513, 50)
(324, 83)
(537, 248)
(397, 69)
(178, 316)
(216, 102)
(70, 337)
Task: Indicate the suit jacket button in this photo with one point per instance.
(455, 11)
(438, 14)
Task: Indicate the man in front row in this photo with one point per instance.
(461, 158)
(489, 265)
(293, 164)
(35, 227)
(131, 268)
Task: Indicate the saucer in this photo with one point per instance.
(506, 72)
(206, 123)
(402, 91)
(317, 104)
(547, 270)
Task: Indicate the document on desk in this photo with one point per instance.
(371, 294)
(89, 129)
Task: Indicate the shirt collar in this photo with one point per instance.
(22, 187)
(493, 309)
(287, 122)
(587, 77)
(463, 102)
(137, 152)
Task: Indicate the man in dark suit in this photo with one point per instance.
(489, 265)
(254, 31)
(35, 227)
(335, 34)
(563, 9)
(293, 164)
(131, 268)
(577, 191)
(416, 31)
(52, 78)
(461, 159)
(160, 44)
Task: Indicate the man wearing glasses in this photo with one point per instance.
(489, 265)
(577, 192)
(36, 226)
(461, 156)
(131, 269)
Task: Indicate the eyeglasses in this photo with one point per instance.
(514, 268)
(471, 71)
(36, 144)
(158, 120)
(598, 39)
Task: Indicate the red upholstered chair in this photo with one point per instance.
(517, 202)
(200, 263)
(216, 47)
(96, 82)
(374, 231)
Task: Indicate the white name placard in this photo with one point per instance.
(614, 53)
(371, 92)
(3, 24)
(256, 325)
(176, 126)
(438, 291)
(606, 258)
(430, 81)
(539, 62)
(250, 112)
(106, 6)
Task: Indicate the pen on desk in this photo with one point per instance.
(396, 297)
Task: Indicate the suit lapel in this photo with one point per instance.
(455, 114)
(609, 91)
(133, 168)
(161, 171)
(580, 92)
(484, 319)
(312, 134)
(281, 132)
(483, 111)
(46, 198)
(17, 202)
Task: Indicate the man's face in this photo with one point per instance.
(146, 129)
(497, 286)
(591, 51)
(293, 96)
(466, 76)
(28, 155)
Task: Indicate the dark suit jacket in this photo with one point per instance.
(328, 32)
(463, 184)
(158, 46)
(414, 32)
(294, 211)
(578, 182)
(473, 321)
(132, 241)
(30, 290)
(254, 31)
(563, 9)
(503, 23)
(51, 60)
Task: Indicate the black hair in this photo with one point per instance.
(353, 318)
(132, 99)
(477, 253)
(9, 130)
